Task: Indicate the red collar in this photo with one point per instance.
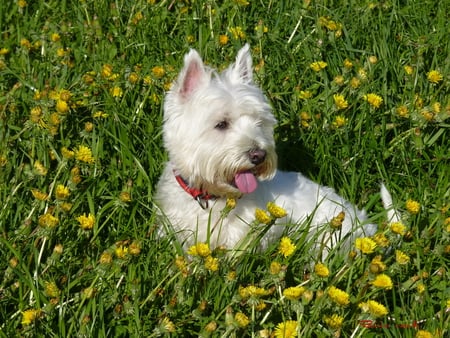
(201, 196)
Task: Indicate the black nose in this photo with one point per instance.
(257, 156)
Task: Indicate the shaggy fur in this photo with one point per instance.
(218, 132)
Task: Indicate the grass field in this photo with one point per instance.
(361, 93)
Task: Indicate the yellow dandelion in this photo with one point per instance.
(116, 91)
(377, 265)
(275, 268)
(398, 228)
(223, 39)
(52, 290)
(241, 319)
(348, 64)
(374, 308)
(212, 263)
(100, 115)
(135, 248)
(365, 244)
(381, 240)
(408, 69)
(355, 82)
(40, 168)
(436, 106)
(339, 80)
(66, 153)
(105, 258)
(434, 76)
(39, 195)
(125, 196)
(47, 220)
(121, 251)
(231, 203)
(340, 101)
(373, 99)
(133, 77)
(36, 114)
(62, 192)
(305, 94)
(29, 316)
(86, 222)
(420, 288)
(286, 247)
(424, 334)
(158, 72)
(401, 258)
(413, 207)
(336, 222)
(318, 66)
(65, 206)
(402, 111)
(321, 270)
(237, 33)
(199, 249)
(382, 281)
(338, 296)
(4, 51)
(262, 216)
(373, 59)
(84, 154)
(338, 122)
(287, 329)
(362, 74)
(107, 71)
(252, 291)
(294, 292)
(334, 321)
(275, 210)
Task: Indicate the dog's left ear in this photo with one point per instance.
(242, 71)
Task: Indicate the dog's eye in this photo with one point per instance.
(222, 125)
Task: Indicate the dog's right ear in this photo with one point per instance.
(193, 75)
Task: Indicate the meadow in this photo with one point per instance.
(361, 93)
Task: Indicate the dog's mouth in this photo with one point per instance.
(245, 181)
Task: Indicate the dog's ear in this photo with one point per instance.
(242, 71)
(193, 74)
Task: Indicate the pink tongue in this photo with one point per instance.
(246, 182)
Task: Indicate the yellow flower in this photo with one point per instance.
(355, 82)
(408, 69)
(339, 80)
(340, 101)
(237, 32)
(318, 66)
(133, 77)
(39, 167)
(382, 281)
(86, 222)
(29, 316)
(402, 111)
(84, 154)
(52, 290)
(381, 240)
(262, 216)
(135, 248)
(398, 228)
(287, 329)
(231, 203)
(420, 288)
(105, 258)
(413, 207)
(334, 321)
(305, 94)
(321, 270)
(252, 291)
(434, 76)
(223, 39)
(22, 3)
(199, 249)
(365, 245)
(424, 334)
(121, 251)
(211, 263)
(348, 64)
(66, 153)
(294, 292)
(125, 196)
(107, 70)
(338, 296)
(39, 195)
(275, 268)
(241, 319)
(116, 91)
(62, 192)
(339, 122)
(373, 99)
(275, 210)
(62, 107)
(401, 258)
(374, 308)
(100, 114)
(167, 325)
(286, 247)
(47, 220)
(377, 265)
(373, 59)
(65, 206)
(158, 72)
(336, 221)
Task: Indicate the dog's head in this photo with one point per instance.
(218, 128)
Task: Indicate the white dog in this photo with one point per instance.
(218, 131)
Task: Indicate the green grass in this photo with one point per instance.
(111, 62)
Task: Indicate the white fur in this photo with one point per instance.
(208, 157)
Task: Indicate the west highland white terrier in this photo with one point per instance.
(218, 131)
